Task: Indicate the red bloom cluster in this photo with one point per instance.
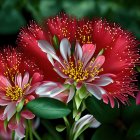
(19, 78)
(119, 46)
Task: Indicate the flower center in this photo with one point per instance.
(14, 93)
(76, 72)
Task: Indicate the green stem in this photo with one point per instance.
(27, 132)
(36, 135)
(67, 127)
(13, 135)
(30, 130)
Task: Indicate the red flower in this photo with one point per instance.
(19, 78)
(119, 50)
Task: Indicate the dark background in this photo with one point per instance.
(15, 14)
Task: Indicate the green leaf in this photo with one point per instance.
(132, 112)
(82, 92)
(107, 132)
(48, 108)
(18, 117)
(78, 115)
(55, 42)
(78, 101)
(134, 131)
(60, 128)
(102, 112)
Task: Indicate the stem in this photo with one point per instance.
(13, 135)
(67, 127)
(66, 123)
(36, 135)
(30, 130)
(27, 132)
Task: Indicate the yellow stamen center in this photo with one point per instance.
(14, 93)
(78, 73)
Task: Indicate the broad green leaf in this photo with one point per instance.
(102, 112)
(48, 108)
(131, 112)
(60, 128)
(134, 131)
(107, 132)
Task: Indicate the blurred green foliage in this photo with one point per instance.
(17, 13)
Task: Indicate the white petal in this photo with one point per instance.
(82, 122)
(71, 94)
(95, 123)
(60, 73)
(56, 91)
(85, 122)
(50, 89)
(19, 80)
(54, 56)
(95, 90)
(65, 48)
(50, 59)
(25, 79)
(19, 132)
(45, 46)
(78, 51)
(4, 82)
(10, 110)
(103, 81)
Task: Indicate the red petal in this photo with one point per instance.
(27, 114)
(13, 123)
(37, 77)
